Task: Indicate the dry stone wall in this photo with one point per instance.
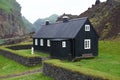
(27, 61)
(63, 74)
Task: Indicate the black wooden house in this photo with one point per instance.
(67, 39)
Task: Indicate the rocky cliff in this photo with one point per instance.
(11, 23)
(106, 18)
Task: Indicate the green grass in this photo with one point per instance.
(28, 52)
(106, 65)
(24, 53)
(19, 44)
(1, 41)
(38, 76)
(8, 67)
(7, 5)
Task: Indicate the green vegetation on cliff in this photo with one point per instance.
(12, 22)
(9, 5)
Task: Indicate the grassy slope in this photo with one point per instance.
(28, 53)
(38, 76)
(20, 52)
(106, 65)
(25, 53)
(8, 67)
(1, 41)
(7, 5)
(108, 60)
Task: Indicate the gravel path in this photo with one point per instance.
(21, 74)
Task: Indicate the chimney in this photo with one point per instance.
(65, 18)
(47, 22)
(97, 2)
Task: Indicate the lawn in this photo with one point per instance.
(38, 76)
(7, 6)
(108, 60)
(8, 67)
(1, 41)
(24, 52)
(18, 44)
(27, 52)
(106, 65)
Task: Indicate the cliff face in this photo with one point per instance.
(105, 17)
(11, 23)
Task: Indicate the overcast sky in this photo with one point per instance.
(34, 9)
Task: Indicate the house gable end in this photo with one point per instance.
(92, 29)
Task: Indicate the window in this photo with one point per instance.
(87, 44)
(48, 43)
(87, 27)
(36, 42)
(63, 44)
(41, 42)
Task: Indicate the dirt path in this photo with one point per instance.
(21, 74)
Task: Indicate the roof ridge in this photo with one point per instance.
(78, 18)
(61, 29)
(68, 21)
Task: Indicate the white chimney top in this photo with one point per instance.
(65, 17)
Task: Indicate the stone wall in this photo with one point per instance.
(20, 59)
(63, 74)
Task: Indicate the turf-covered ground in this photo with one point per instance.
(37, 76)
(107, 64)
(8, 67)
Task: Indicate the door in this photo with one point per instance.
(60, 50)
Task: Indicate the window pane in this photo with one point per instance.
(87, 27)
(48, 43)
(63, 44)
(87, 44)
(41, 42)
(36, 42)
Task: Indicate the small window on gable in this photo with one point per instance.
(36, 42)
(48, 43)
(41, 42)
(87, 27)
(63, 44)
(87, 44)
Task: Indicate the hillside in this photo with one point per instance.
(105, 17)
(40, 22)
(11, 22)
(60, 18)
(29, 27)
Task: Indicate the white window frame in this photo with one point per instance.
(87, 43)
(36, 42)
(48, 43)
(87, 27)
(63, 44)
(41, 42)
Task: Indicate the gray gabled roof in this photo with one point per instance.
(61, 30)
